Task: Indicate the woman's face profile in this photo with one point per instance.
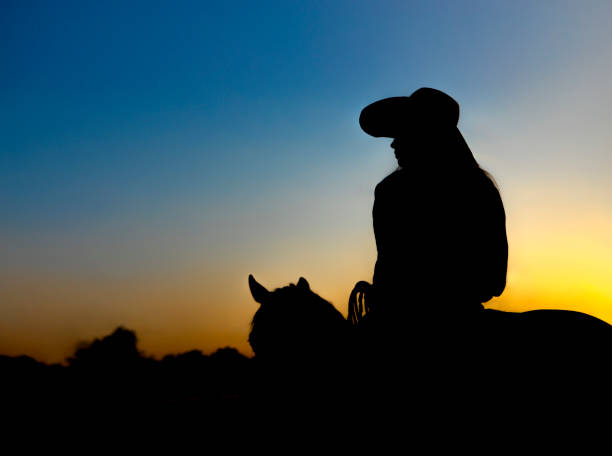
(402, 148)
(413, 149)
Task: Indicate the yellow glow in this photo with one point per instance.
(561, 261)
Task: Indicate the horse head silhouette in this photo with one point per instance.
(294, 323)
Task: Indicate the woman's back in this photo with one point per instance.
(441, 239)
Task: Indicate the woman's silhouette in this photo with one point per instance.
(439, 220)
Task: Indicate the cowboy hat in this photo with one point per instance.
(391, 117)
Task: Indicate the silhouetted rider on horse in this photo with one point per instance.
(421, 334)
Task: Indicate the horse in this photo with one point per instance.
(478, 354)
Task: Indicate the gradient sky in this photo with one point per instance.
(153, 154)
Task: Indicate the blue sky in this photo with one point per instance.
(106, 104)
(146, 142)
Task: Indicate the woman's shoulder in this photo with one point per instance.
(391, 182)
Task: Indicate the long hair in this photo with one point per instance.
(448, 146)
(463, 151)
(457, 162)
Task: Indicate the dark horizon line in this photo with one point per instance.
(84, 345)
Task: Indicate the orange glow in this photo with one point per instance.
(556, 261)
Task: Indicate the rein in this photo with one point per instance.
(359, 304)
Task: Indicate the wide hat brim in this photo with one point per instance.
(397, 116)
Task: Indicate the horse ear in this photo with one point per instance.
(303, 283)
(259, 292)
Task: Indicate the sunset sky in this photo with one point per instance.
(153, 154)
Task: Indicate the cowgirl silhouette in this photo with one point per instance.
(439, 220)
